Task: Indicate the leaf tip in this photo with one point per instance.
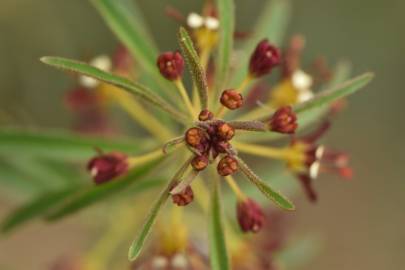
(132, 253)
(45, 59)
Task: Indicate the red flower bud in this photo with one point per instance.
(225, 131)
(199, 163)
(171, 65)
(250, 215)
(183, 198)
(231, 99)
(264, 58)
(107, 166)
(195, 137)
(205, 115)
(284, 120)
(227, 166)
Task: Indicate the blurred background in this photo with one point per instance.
(362, 222)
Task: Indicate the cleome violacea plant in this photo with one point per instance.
(210, 131)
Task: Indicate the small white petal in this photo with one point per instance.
(301, 80)
(319, 152)
(314, 170)
(194, 20)
(102, 62)
(212, 23)
(88, 82)
(94, 172)
(179, 261)
(159, 262)
(305, 95)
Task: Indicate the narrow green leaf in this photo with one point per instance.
(272, 24)
(16, 185)
(95, 194)
(218, 251)
(226, 9)
(134, 88)
(193, 62)
(39, 173)
(328, 96)
(59, 145)
(270, 193)
(137, 244)
(36, 208)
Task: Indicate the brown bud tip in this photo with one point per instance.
(205, 115)
(183, 198)
(171, 65)
(250, 215)
(231, 99)
(105, 167)
(194, 136)
(264, 58)
(227, 166)
(225, 131)
(199, 163)
(284, 120)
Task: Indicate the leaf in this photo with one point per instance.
(226, 9)
(271, 194)
(15, 185)
(134, 88)
(125, 20)
(60, 145)
(35, 208)
(272, 24)
(94, 194)
(193, 62)
(218, 251)
(137, 244)
(328, 96)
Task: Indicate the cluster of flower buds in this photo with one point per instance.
(106, 167)
(210, 140)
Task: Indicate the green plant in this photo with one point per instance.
(194, 132)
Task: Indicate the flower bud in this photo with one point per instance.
(171, 65)
(264, 58)
(183, 198)
(231, 99)
(250, 215)
(227, 166)
(205, 115)
(225, 131)
(107, 166)
(194, 136)
(199, 163)
(284, 120)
